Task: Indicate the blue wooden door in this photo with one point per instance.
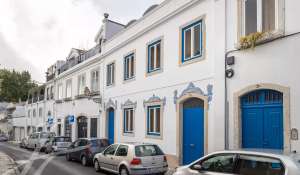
(111, 126)
(193, 133)
(262, 120)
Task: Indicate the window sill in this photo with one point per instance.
(154, 72)
(129, 80)
(58, 101)
(128, 134)
(95, 93)
(68, 99)
(77, 97)
(153, 136)
(192, 60)
(266, 38)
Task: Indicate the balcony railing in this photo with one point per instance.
(50, 77)
(82, 57)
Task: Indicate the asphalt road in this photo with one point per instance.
(34, 163)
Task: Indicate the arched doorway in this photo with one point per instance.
(111, 125)
(82, 127)
(192, 130)
(262, 119)
(68, 127)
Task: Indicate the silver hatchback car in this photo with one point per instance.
(244, 162)
(132, 158)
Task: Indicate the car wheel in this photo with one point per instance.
(124, 171)
(68, 157)
(83, 161)
(97, 166)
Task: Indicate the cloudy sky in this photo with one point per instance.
(36, 33)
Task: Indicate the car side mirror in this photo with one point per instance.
(197, 167)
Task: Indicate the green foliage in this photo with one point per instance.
(250, 40)
(15, 85)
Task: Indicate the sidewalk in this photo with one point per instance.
(7, 165)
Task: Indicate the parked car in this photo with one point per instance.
(24, 142)
(37, 140)
(254, 162)
(58, 144)
(132, 158)
(84, 150)
(3, 138)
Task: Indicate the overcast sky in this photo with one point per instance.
(36, 33)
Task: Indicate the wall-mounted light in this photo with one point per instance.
(229, 73)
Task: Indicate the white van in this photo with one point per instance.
(37, 140)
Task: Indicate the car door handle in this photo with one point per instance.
(111, 158)
(192, 145)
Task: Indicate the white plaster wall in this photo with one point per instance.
(276, 62)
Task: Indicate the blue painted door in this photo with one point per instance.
(193, 134)
(111, 126)
(262, 120)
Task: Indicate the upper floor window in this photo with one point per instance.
(69, 88)
(48, 93)
(51, 92)
(192, 41)
(129, 67)
(81, 84)
(40, 112)
(29, 113)
(33, 113)
(110, 74)
(128, 120)
(260, 16)
(95, 81)
(60, 92)
(154, 56)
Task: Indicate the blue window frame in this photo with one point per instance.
(128, 120)
(154, 56)
(154, 120)
(192, 41)
(129, 72)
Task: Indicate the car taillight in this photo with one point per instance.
(165, 158)
(136, 161)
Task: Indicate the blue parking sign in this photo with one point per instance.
(50, 120)
(71, 119)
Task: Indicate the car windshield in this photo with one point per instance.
(62, 139)
(148, 150)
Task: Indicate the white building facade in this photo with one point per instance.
(160, 79)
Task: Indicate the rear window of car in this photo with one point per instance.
(44, 135)
(62, 139)
(100, 142)
(148, 150)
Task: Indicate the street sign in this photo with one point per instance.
(50, 120)
(71, 119)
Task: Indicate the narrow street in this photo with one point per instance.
(33, 163)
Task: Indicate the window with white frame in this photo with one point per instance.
(154, 120)
(192, 41)
(128, 120)
(33, 113)
(154, 56)
(129, 70)
(60, 92)
(260, 16)
(110, 74)
(95, 81)
(81, 84)
(40, 112)
(69, 88)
